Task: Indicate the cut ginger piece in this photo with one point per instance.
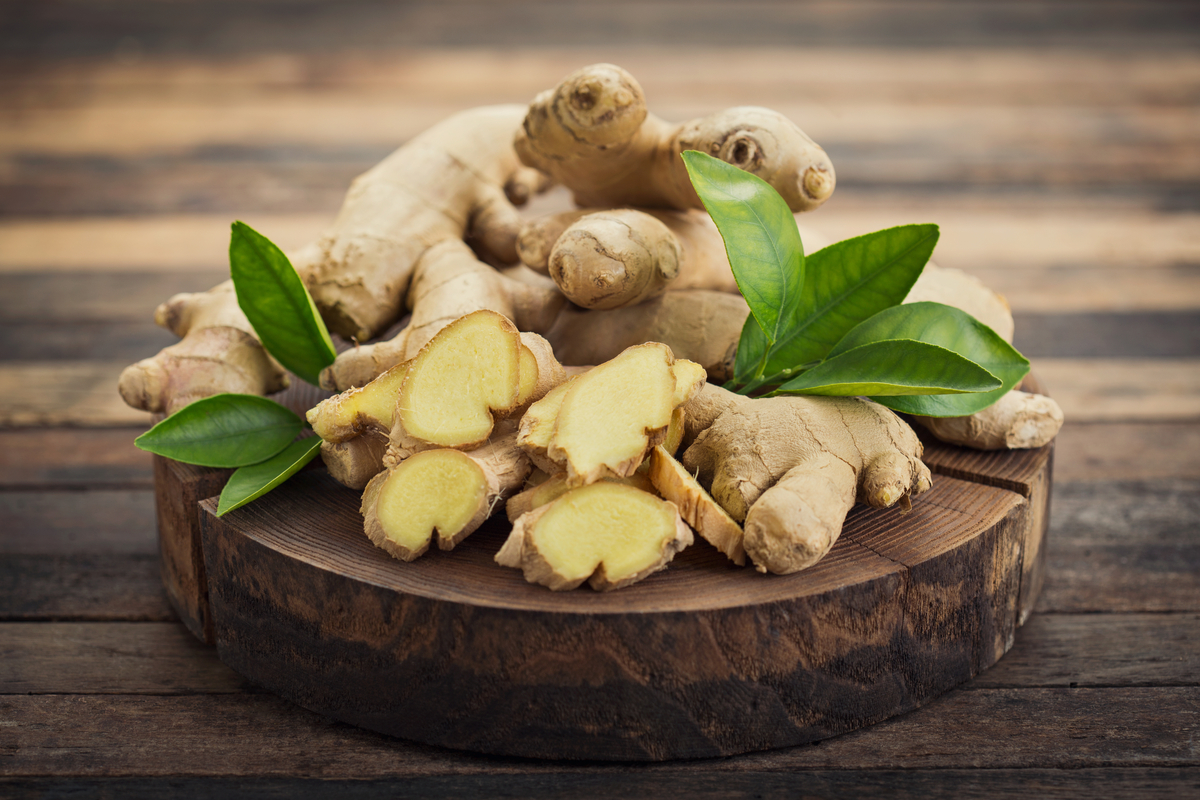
(556, 486)
(435, 490)
(613, 414)
(607, 534)
(468, 372)
(672, 480)
(537, 426)
(354, 411)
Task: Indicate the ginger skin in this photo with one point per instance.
(592, 134)
(612, 259)
(404, 218)
(792, 467)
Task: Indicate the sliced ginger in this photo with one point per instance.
(695, 505)
(468, 372)
(556, 486)
(607, 534)
(609, 417)
(354, 411)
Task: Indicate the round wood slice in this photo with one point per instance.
(702, 659)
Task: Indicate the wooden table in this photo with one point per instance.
(1057, 144)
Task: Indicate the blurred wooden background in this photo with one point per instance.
(1056, 143)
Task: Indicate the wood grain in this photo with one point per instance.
(712, 660)
(263, 736)
(83, 587)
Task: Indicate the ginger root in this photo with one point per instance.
(612, 259)
(607, 534)
(607, 419)
(1017, 421)
(592, 134)
(792, 467)
(402, 222)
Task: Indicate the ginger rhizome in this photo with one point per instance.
(612, 259)
(592, 134)
(790, 468)
(608, 534)
(397, 243)
(697, 507)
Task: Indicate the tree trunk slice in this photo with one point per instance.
(703, 659)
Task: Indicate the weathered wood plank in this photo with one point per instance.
(1123, 390)
(109, 658)
(1161, 334)
(78, 28)
(260, 735)
(82, 587)
(1100, 650)
(82, 341)
(71, 297)
(103, 521)
(758, 74)
(1111, 451)
(702, 781)
(1052, 650)
(65, 393)
(82, 458)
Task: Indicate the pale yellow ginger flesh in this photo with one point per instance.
(792, 467)
(537, 426)
(607, 534)
(442, 491)
(555, 486)
(370, 407)
(470, 370)
(540, 371)
(613, 414)
(696, 506)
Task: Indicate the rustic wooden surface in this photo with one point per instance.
(1055, 142)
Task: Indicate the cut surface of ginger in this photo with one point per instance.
(556, 486)
(435, 490)
(611, 415)
(471, 369)
(697, 507)
(608, 534)
(349, 414)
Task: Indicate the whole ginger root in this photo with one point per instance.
(791, 468)
(403, 223)
(592, 134)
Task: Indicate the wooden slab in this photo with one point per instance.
(702, 660)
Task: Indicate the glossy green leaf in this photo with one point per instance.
(954, 330)
(275, 301)
(251, 483)
(761, 239)
(752, 348)
(893, 367)
(225, 430)
(847, 283)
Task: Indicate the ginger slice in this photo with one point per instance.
(556, 486)
(442, 490)
(537, 426)
(613, 414)
(607, 534)
(351, 413)
(695, 505)
(471, 369)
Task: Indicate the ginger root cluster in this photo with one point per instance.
(470, 405)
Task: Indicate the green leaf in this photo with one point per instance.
(752, 348)
(251, 483)
(761, 239)
(893, 367)
(225, 430)
(954, 330)
(275, 301)
(847, 283)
